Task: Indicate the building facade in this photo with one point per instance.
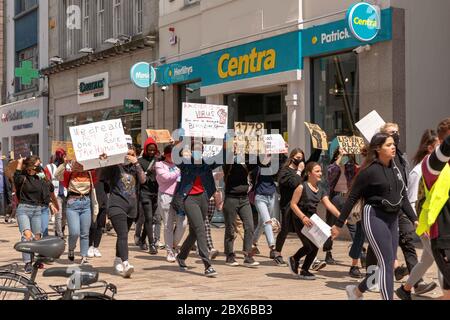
(24, 122)
(94, 44)
(287, 64)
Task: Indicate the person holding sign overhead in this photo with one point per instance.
(124, 181)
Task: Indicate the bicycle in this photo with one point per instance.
(17, 286)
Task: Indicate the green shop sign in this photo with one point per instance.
(133, 106)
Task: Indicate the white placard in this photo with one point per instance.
(204, 120)
(94, 88)
(370, 125)
(211, 150)
(92, 140)
(274, 144)
(319, 233)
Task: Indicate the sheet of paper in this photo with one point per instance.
(319, 233)
(204, 120)
(370, 125)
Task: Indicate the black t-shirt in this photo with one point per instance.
(33, 190)
(236, 179)
(288, 180)
(310, 200)
(151, 185)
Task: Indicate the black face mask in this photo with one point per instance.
(296, 162)
(396, 138)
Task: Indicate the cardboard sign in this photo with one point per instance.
(66, 146)
(92, 140)
(319, 232)
(370, 125)
(351, 145)
(204, 120)
(160, 136)
(211, 150)
(318, 136)
(274, 144)
(248, 137)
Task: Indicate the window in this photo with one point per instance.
(29, 54)
(101, 21)
(138, 16)
(24, 5)
(70, 33)
(86, 9)
(117, 18)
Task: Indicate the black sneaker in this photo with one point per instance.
(306, 275)
(423, 287)
(293, 266)
(329, 258)
(143, 246)
(355, 272)
(210, 272)
(273, 254)
(403, 294)
(71, 255)
(181, 263)
(28, 268)
(231, 261)
(279, 261)
(250, 262)
(153, 250)
(401, 272)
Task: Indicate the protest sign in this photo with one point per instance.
(160, 136)
(248, 137)
(274, 144)
(370, 125)
(67, 146)
(351, 145)
(92, 140)
(319, 232)
(211, 150)
(204, 120)
(318, 136)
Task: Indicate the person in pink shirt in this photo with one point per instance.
(168, 176)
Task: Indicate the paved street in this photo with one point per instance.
(155, 278)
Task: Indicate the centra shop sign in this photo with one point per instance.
(93, 88)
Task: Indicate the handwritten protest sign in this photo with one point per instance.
(370, 125)
(248, 137)
(204, 120)
(160, 136)
(351, 145)
(211, 150)
(67, 146)
(274, 144)
(92, 140)
(318, 136)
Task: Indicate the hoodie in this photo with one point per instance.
(150, 187)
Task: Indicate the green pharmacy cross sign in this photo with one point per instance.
(26, 73)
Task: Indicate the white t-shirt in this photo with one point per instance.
(413, 184)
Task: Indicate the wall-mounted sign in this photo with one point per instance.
(364, 21)
(143, 75)
(14, 115)
(94, 88)
(133, 106)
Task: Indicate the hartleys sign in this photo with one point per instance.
(93, 88)
(14, 115)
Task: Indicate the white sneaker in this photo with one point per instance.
(351, 293)
(128, 269)
(318, 265)
(97, 253)
(90, 253)
(118, 266)
(171, 257)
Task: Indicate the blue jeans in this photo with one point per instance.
(265, 206)
(28, 218)
(44, 221)
(358, 242)
(79, 222)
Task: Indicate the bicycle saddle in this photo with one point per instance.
(51, 247)
(85, 274)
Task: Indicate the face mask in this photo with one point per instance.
(41, 175)
(396, 138)
(197, 155)
(296, 162)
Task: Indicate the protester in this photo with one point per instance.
(380, 184)
(96, 230)
(305, 200)
(216, 202)
(124, 181)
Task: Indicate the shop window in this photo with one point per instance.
(138, 16)
(29, 54)
(117, 18)
(86, 18)
(189, 92)
(25, 146)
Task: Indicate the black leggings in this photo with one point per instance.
(442, 258)
(96, 230)
(151, 217)
(285, 226)
(121, 224)
(309, 249)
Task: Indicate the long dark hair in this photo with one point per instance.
(292, 155)
(377, 142)
(429, 137)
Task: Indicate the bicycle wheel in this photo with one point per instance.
(17, 281)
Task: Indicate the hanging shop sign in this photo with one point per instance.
(93, 88)
(133, 106)
(143, 75)
(364, 21)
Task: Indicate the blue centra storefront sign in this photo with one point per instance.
(277, 54)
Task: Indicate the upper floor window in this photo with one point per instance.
(86, 18)
(101, 21)
(70, 32)
(24, 5)
(117, 18)
(138, 16)
(28, 54)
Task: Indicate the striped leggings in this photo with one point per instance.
(382, 232)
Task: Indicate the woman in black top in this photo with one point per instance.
(33, 193)
(124, 181)
(304, 204)
(381, 186)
